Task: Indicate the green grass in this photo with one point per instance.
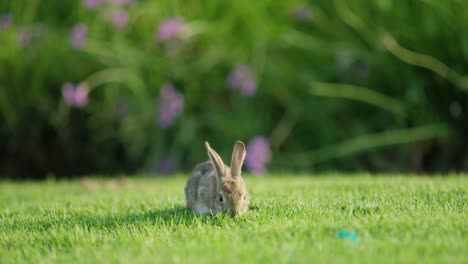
(292, 219)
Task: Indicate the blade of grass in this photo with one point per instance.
(424, 61)
(372, 141)
(358, 93)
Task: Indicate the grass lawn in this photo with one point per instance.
(292, 219)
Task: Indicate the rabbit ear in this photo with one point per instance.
(216, 161)
(238, 156)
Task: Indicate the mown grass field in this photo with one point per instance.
(293, 219)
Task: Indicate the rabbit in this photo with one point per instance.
(214, 187)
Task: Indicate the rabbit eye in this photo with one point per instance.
(220, 198)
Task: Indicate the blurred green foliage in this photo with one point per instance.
(350, 85)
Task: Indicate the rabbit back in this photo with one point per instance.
(201, 189)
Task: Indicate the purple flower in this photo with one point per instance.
(78, 36)
(23, 36)
(92, 4)
(120, 18)
(242, 78)
(258, 155)
(169, 29)
(302, 13)
(171, 105)
(76, 96)
(166, 165)
(5, 21)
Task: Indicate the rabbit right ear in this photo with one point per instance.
(216, 161)
(238, 156)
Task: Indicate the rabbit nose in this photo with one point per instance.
(235, 213)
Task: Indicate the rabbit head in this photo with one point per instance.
(232, 195)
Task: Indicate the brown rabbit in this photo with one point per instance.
(214, 187)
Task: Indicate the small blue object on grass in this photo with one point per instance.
(348, 235)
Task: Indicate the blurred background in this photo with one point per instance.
(121, 86)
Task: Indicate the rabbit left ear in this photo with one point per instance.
(238, 156)
(216, 161)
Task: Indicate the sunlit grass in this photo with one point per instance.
(292, 219)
